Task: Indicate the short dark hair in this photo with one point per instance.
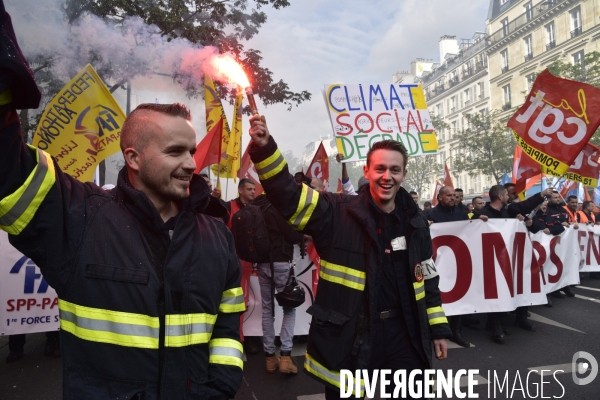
(413, 192)
(572, 197)
(135, 129)
(427, 203)
(476, 198)
(586, 203)
(204, 175)
(509, 185)
(496, 191)
(458, 190)
(243, 182)
(388, 145)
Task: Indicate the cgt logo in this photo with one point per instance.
(30, 275)
(581, 368)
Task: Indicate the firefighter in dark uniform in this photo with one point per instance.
(148, 283)
(378, 303)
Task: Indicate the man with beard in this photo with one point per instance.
(378, 305)
(586, 214)
(148, 283)
(459, 196)
(498, 207)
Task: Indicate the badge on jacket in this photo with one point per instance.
(399, 243)
(419, 273)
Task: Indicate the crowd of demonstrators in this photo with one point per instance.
(164, 260)
(384, 314)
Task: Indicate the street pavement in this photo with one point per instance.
(571, 325)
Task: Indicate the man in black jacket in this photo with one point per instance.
(498, 207)
(148, 284)
(282, 238)
(378, 304)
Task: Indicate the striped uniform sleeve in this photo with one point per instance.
(429, 291)
(305, 209)
(41, 208)
(225, 349)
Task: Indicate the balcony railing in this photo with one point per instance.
(505, 69)
(453, 81)
(576, 32)
(523, 19)
(551, 45)
(506, 107)
(528, 57)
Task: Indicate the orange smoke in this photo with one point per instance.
(224, 68)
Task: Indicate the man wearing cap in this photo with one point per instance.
(378, 305)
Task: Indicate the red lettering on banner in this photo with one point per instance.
(555, 260)
(464, 269)
(517, 258)
(592, 247)
(537, 267)
(494, 248)
(581, 235)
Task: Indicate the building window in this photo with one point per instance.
(528, 42)
(578, 58)
(502, 2)
(550, 36)
(480, 90)
(452, 104)
(529, 11)
(504, 60)
(530, 80)
(505, 26)
(467, 97)
(576, 27)
(454, 129)
(506, 97)
(440, 111)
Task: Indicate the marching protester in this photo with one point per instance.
(273, 273)
(217, 194)
(586, 215)
(459, 196)
(415, 196)
(447, 210)
(426, 207)
(513, 196)
(246, 194)
(477, 204)
(372, 310)
(148, 284)
(16, 343)
(571, 208)
(498, 207)
(317, 184)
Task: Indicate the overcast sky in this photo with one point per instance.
(318, 42)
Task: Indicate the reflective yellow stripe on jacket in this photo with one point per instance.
(306, 207)
(331, 376)
(188, 329)
(18, 209)
(226, 352)
(271, 166)
(105, 326)
(436, 316)
(233, 301)
(349, 277)
(419, 289)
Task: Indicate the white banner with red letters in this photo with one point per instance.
(559, 256)
(588, 242)
(486, 266)
(27, 303)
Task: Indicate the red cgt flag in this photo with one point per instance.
(319, 167)
(209, 148)
(556, 121)
(434, 200)
(248, 170)
(585, 168)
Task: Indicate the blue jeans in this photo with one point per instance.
(282, 271)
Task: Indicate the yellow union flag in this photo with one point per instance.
(214, 115)
(81, 126)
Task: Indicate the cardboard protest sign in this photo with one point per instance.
(81, 126)
(556, 121)
(363, 114)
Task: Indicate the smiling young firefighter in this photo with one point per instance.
(378, 305)
(148, 284)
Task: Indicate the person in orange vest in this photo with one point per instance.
(586, 215)
(571, 208)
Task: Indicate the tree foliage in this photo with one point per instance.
(420, 170)
(485, 147)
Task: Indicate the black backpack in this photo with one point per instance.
(250, 234)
